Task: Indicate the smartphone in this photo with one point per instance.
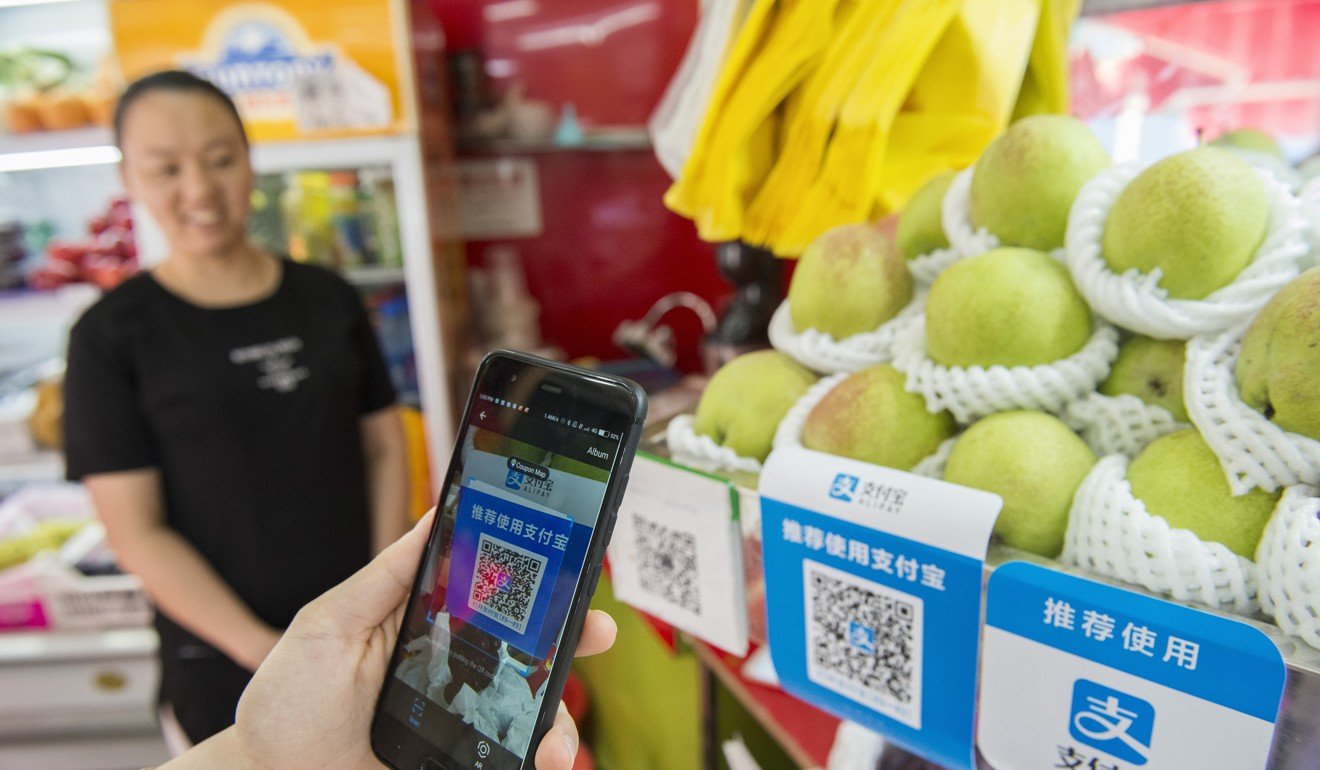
(525, 512)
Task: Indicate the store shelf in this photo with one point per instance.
(57, 149)
(374, 277)
(803, 731)
(350, 153)
(612, 141)
(1297, 736)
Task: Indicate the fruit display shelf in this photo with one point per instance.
(1296, 743)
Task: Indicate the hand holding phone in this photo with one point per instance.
(501, 593)
(307, 706)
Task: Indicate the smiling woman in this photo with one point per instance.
(228, 410)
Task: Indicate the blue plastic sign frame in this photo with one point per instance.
(535, 553)
(873, 595)
(1081, 674)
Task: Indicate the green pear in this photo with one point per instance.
(748, 397)
(1035, 463)
(921, 225)
(1278, 370)
(870, 417)
(1197, 216)
(1027, 179)
(1249, 139)
(1179, 478)
(1008, 307)
(1151, 370)
(849, 280)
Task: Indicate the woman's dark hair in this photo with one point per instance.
(171, 80)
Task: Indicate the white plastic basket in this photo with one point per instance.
(1134, 301)
(1124, 424)
(823, 353)
(976, 391)
(689, 447)
(1111, 532)
(1289, 564)
(1253, 451)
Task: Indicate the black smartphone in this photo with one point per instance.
(525, 512)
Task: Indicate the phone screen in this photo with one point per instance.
(522, 501)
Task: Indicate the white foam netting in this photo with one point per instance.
(975, 391)
(1134, 301)
(1289, 564)
(790, 429)
(1253, 451)
(927, 267)
(1310, 203)
(1277, 167)
(1123, 423)
(965, 239)
(689, 447)
(1111, 532)
(821, 352)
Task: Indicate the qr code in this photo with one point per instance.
(505, 582)
(864, 641)
(667, 563)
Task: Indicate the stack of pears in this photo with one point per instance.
(1195, 219)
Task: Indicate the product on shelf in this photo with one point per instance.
(849, 280)
(870, 417)
(747, 398)
(1198, 217)
(12, 253)
(47, 421)
(105, 256)
(1027, 179)
(1278, 370)
(44, 90)
(339, 219)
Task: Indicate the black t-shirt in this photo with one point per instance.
(252, 416)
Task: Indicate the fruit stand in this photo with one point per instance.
(1107, 325)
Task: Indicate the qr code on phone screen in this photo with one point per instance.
(667, 563)
(505, 582)
(864, 641)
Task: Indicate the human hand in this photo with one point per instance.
(311, 702)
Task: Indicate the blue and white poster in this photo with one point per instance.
(506, 558)
(1078, 674)
(873, 595)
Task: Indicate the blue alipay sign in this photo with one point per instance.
(506, 560)
(1119, 680)
(873, 594)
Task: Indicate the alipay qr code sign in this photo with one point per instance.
(1078, 675)
(873, 595)
(676, 552)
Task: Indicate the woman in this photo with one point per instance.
(228, 411)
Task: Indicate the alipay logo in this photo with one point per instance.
(514, 480)
(843, 487)
(1114, 722)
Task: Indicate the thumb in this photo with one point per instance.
(372, 593)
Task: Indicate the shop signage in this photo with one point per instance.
(873, 592)
(1077, 674)
(498, 198)
(295, 70)
(677, 552)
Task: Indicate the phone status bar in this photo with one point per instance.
(554, 418)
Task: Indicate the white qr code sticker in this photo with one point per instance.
(667, 563)
(864, 641)
(505, 582)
